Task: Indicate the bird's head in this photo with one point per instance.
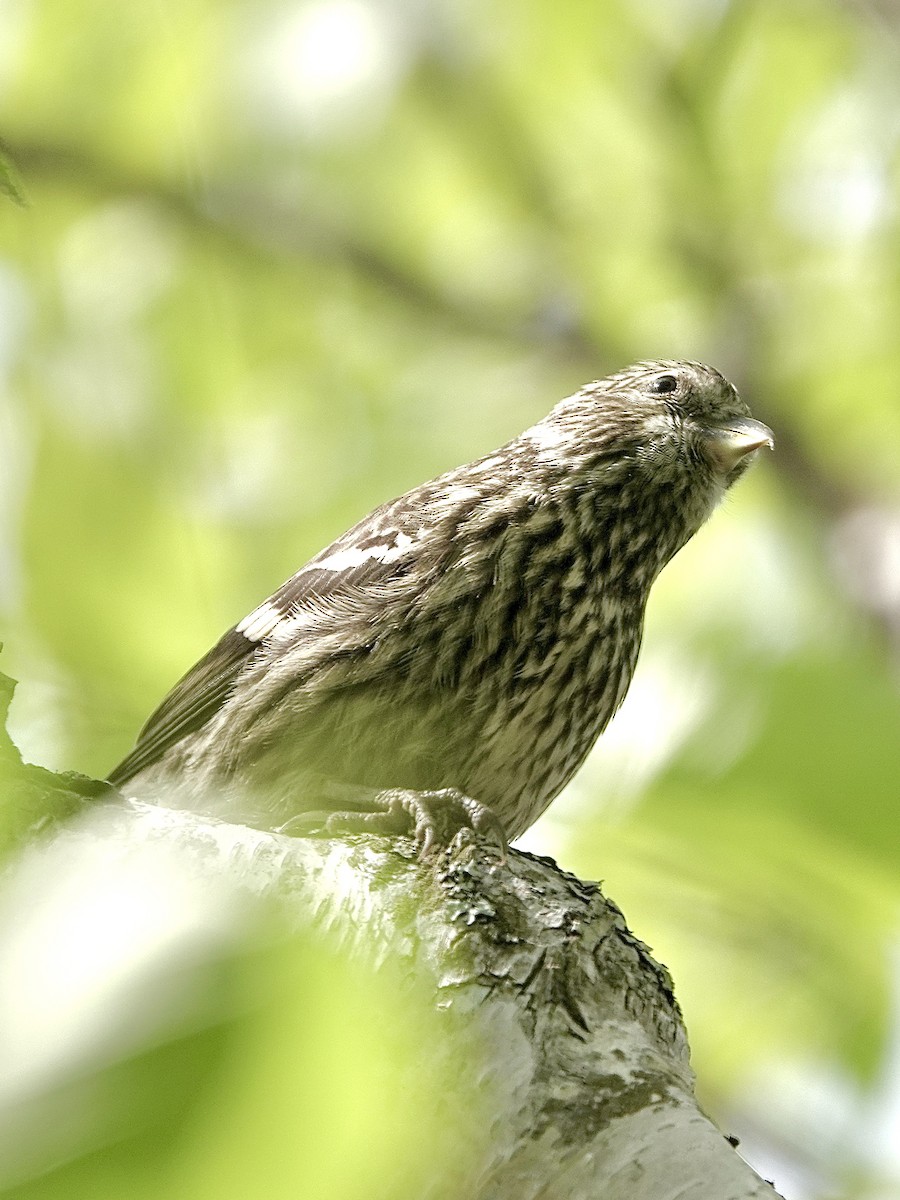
(666, 416)
(660, 441)
(661, 419)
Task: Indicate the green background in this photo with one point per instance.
(280, 262)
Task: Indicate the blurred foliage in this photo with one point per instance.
(282, 261)
(165, 1035)
(36, 801)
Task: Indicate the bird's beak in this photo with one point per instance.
(729, 444)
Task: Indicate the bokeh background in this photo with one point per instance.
(283, 259)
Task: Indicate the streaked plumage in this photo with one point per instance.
(475, 634)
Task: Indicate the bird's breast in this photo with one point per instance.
(550, 689)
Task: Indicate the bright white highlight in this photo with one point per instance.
(324, 64)
(355, 556)
(544, 436)
(260, 622)
(82, 926)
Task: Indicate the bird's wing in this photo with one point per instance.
(354, 570)
(196, 697)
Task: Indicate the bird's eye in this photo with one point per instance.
(662, 384)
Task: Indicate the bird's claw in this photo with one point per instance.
(440, 818)
(436, 819)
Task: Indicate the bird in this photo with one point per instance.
(448, 662)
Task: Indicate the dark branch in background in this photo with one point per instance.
(253, 226)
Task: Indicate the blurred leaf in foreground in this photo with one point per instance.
(163, 1034)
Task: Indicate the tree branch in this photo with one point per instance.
(585, 1039)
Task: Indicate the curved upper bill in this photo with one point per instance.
(732, 442)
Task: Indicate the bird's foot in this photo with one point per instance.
(436, 819)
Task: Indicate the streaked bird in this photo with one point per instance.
(453, 657)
